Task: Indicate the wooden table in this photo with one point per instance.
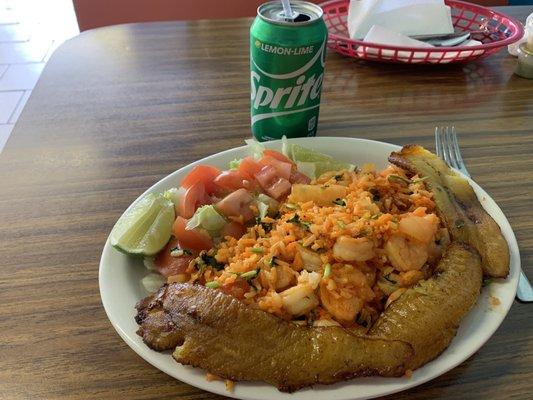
(118, 108)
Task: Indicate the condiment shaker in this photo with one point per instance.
(524, 68)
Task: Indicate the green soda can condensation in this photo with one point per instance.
(287, 57)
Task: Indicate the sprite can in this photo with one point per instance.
(287, 56)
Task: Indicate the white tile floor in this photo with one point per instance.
(30, 31)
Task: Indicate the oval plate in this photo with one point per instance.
(120, 289)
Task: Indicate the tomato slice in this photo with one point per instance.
(205, 174)
(249, 167)
(271, 183)
(278, 156)
(236, 288)
(266, 176)
(298, 177)
(233, 229)
(167, 265)
(236, 204)
(230, 180)
(195, 239)
(194, 197)
(283, 169)
(280, 188)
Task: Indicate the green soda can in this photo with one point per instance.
(287, 57)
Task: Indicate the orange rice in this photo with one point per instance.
(371, 212)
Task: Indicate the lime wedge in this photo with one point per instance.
(305, 157)
(299, 153)
(145, 228)
(307, 168)
(325, 166)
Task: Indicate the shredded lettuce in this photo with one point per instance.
(149, 263)
(286, 148)
(307, 168)
(265, 204)
(234, 164)
(174, 195)
(265, 198)
(208, 218)
(263, 209)
(152, 282)
(256, 148)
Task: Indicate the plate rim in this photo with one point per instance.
(218, 387)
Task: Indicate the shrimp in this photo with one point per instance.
(299, 300)
(285, 277)
(277, 278)
(405, 254)
(353, 249)
(418, 228)
(345, 292)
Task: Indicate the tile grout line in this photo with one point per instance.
(51, 46)
(25, 62)
(16, 107)
(15, 41)
(13, 90)
(8, 136)
(3, 73)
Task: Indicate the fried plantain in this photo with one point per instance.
(224, 336)
(459, 208)
(427, 315)
(216, 332)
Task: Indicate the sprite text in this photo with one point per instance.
(285, 97)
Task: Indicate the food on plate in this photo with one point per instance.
(221, 334)
(146, 227)
(332, 251)
(352, 272)
(459, 206)
(427, 316)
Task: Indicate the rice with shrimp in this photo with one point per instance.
(336, 252)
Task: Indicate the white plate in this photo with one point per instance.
(120, 289)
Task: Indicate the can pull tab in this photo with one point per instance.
(296, 17)
(287, 13)
(292, 16)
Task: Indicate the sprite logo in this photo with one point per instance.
(295, 91)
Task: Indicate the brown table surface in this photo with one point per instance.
(118, 108)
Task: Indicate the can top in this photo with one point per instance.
(305, 13)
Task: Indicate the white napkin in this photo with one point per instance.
(409, 17)
(381, 35)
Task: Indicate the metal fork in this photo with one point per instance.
(448, 149)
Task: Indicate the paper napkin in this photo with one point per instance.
(408, 17)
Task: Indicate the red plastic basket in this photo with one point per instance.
(499, 31)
